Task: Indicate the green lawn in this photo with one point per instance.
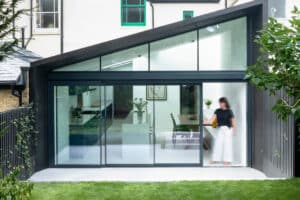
(231, 190)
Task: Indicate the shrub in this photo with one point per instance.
(13, 189)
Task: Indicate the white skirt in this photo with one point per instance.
(223, 151)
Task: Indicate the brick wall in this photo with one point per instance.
(8, 101)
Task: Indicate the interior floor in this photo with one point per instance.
(134, 154)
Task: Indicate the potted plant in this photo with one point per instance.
(140, 106)
(208, 103)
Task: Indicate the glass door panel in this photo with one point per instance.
(177, 136)
(78, 120)
(225, 144)
(129, 137)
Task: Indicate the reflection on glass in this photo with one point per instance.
(79, 120)
(177, 133)
(129, 136)
(235, 143)
(224, 46)
(175, 53)
(131, 115)
(89, 65)
(133, 59)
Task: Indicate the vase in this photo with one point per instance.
(140, 116)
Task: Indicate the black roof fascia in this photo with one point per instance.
(184, 1)
(148, 36)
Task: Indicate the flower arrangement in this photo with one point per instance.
(140, 105)
(208, 103)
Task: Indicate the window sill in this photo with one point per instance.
(46, 31)
(133, 24)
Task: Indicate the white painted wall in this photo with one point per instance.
(97, 21)
(166, 13)
(45, 45)
(94, 22)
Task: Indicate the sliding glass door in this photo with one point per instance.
(129, 135)
(225, 143)
(79, 121)
(130, 124)
(177, 135)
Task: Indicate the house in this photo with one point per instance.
(140, 100)
(14, 78)
(58, 26)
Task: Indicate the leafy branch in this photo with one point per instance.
(278, 67)
(8, 15)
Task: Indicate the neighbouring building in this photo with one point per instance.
(140, 100)
(57, 26)
(14, 90)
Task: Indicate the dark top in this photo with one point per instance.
(224, 117)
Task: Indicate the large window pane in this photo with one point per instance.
(133, 59)
(129, 135)
(89, 65)
(45, 5)
(224, 46)
(224, 143)
(79, 121)
(175, 53)
(46, 20)
(177, 133)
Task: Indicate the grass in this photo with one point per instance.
(231, 190)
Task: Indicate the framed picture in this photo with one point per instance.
(157, 92)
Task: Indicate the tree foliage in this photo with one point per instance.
(278, 67)
(8, 14)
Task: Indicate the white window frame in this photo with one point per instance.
(38, 30)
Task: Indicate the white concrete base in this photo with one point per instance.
(154, 174)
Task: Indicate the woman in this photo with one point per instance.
(224, 116)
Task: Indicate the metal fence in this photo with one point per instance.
(9, 157)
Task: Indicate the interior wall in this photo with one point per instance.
(163, 108)
(236, 93)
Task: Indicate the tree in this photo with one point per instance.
(8, 15)
(278, 67)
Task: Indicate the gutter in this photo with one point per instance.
(62, 26)
(20, 85)
(152, 11)
(31, 25)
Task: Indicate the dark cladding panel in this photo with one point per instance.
(273, 139)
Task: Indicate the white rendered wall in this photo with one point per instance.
(97, 21)
(166, 13)
(45, 45)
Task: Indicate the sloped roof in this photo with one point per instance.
(10, 68)
(145, 37)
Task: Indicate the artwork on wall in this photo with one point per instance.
(157, 92)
